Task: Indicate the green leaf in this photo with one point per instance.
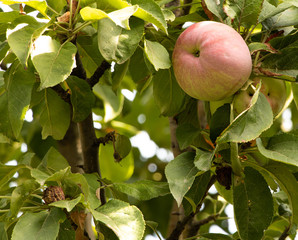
(219, 121)
(223, 192)
(122, 145)
(253, 205)
(66, 231)
(287, 183)
(3, 234)
(282, 148)
(53, 160)
(197, 192)
(286, 62)
(216, 7)
(119, 17)
(52, 60)
(181, 173)
(113, 103)
(68, 204)
(41, 225)
(157, 55)
(4, 47)
(57, 5)
(20, 194)
(59, 176)
(82, 98)
(8, 17)
(54, 114)
(288, 17)
(186, 134)
(20, 38)
(250, 123)
(93, 185)
(118, 44)
(14, 102)
(149, 11)
(126, 221)
(112, 170)
(90, 55)
(39, 175)
(167, 93)
(137, 67)
(244, 13)
(119, 74)
(144, 189)
(203, 159)
(269, 10)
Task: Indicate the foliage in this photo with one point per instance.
(72, 63)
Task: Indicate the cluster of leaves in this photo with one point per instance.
(40, 59)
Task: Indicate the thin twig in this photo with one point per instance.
(285, 234)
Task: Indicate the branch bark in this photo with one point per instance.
(70, 148)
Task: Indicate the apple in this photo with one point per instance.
(274, 90)
(211, 61)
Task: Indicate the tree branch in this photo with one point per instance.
(174, 142)
(62, 93)
(70, 148)
(98, 73)
(195, 227)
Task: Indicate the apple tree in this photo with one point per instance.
(99, 141)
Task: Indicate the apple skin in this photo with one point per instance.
(274, 90)
(211, 61)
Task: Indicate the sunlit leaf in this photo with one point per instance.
(52, 60)
(157, 55)
(119, 17)
(40, 5)
(126, 221)
(20, 39)
(148, 10)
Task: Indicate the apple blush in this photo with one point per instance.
(211, 61)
